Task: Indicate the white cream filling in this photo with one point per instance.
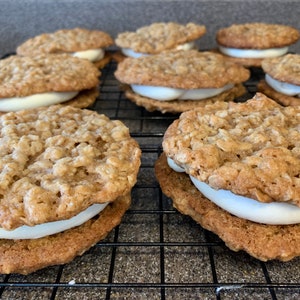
(46, 229)
(253, 53)
(273, 213)
(130, 53)
(91, 54)
(283, 87)
(167, 94)
(36, 100)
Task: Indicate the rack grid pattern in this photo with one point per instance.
(156, 252)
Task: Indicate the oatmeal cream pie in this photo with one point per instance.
(79, 42)
(29, 82)
(234, 168)
(176, 81)
(66, 178)
(158, 37)
(282, 79)
(249, 43)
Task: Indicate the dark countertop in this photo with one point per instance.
(156, 252)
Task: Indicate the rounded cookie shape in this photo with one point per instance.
(248, 148)
(158, 37)
(57, 161)
(285, 68)
(181, 69)
(23, 75)
(257, 36)
(65, 40)
(264, 242)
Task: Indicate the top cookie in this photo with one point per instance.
(181, 69)
(57, 161)
(65, 40)
(257, 36)
(158, 37)
(23, 75)
(285, 68)
(248, 148)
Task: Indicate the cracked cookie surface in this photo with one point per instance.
(248, 148)
(57, 161)
(65, 40)
(158, 37)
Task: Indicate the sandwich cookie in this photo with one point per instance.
(158, 37)
(176, 81)
(79, 42)
(234, 168)
(66, 177)
(249, 43)
(282, 79)
(47, 79)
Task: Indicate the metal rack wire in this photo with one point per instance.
(156, 252)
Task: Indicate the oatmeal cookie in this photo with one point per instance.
(256, 36)
(285, 71)
(186, 70)
(67, 41)
(57, 161)
(29, 255)
(248, 148)
(159, 37)
(264, 242)
(22, 76)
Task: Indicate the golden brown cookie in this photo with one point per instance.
(67, 41)
(159, 37)
(26, 256)
(57, 161)
(264, 242)
(184, 70)
(284, 70)
(255, 36)
(22, 76)
(248, 148)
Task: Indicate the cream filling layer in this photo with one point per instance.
(36, 100)
(46, 229)
(273, 213)
(253, 53)
(129, 52)
(91, 54)
(283, 87)
(167, 94)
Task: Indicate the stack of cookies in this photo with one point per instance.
(282, 79)
(46, 79)
(177, 81)
(234, 168)
(248, 44)
(66, 177)
(79, 42)
(157, 38)
(66, 172)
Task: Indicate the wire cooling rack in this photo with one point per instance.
(156, 252)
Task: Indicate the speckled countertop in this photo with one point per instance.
(155, 253)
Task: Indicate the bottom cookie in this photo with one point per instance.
(178, 106)
(84, 99)
(282, 99)
(264, 242)
(26, 256)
